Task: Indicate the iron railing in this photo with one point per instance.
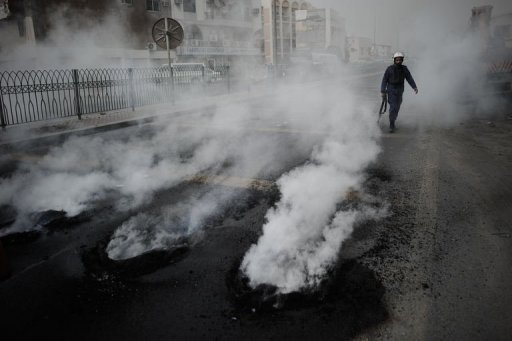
(28, 96)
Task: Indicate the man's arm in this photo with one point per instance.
(410, 80)
(384, 82)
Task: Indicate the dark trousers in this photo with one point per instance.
(394, 100)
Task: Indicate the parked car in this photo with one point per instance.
(185, 73)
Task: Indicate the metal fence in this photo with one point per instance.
(28, 96)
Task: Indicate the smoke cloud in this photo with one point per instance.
(305, 231)
(322, 121)
(444, 57)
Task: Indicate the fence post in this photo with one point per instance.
(2, 117)
(77, 94)
(173, 89)
(131, 88)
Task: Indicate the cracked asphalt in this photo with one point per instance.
(438, 267)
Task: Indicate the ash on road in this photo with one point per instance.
(438, 267)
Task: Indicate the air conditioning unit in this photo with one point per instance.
(151, 46)
(178, 2)
(165, 3)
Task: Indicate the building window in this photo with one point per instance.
(189, 6)
(153, 5)
(127, 2)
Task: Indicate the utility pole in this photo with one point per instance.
(167, 37)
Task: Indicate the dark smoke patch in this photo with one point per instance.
(239, 206)
(379, 173)
(100, 267)
(20, 238)
(240, 203)
(58, 220)
(351, 289)
(375, 178)
(50, 220)
(7, 215)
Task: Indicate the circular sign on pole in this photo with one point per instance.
(167, 31)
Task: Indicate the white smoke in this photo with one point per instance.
(234, 141)
(304, 232)
(85, 170)
(448, 70)
(166, 228)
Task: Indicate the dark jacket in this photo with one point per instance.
(394, 78)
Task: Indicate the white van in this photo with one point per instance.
(193, 73)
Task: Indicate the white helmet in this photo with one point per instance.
(398, 55)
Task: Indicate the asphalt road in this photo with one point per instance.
(437, 268)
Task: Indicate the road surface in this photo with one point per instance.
(438, 267)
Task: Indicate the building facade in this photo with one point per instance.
(360, 48)
(216, 32)
(382, 51)
(321, 31)
(234, 32)
(279, 29)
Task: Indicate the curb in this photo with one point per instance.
(84, 131)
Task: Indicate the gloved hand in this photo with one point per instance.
(416, 90)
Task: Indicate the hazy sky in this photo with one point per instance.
(393, 17)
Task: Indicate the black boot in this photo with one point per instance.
(391, 126)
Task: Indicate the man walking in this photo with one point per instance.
(393, 85)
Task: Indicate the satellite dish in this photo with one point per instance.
(167, 27)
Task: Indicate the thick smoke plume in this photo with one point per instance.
(449, 71)
(305, 231)
(83, 171)
(86, 171)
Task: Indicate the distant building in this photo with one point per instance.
(382, 51)
(321, 31)
(216, 31)
(296, 27)
(360, 48)
(234, 32)
(279, 29)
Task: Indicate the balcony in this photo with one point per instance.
(217, 43)
(218, 47)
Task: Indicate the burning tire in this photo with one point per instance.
(99, 266)
(350, 287)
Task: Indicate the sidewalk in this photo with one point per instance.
(26, 132)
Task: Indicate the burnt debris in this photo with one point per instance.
(99, 266)
(7, 215)
(58, 220)
(351, 286)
